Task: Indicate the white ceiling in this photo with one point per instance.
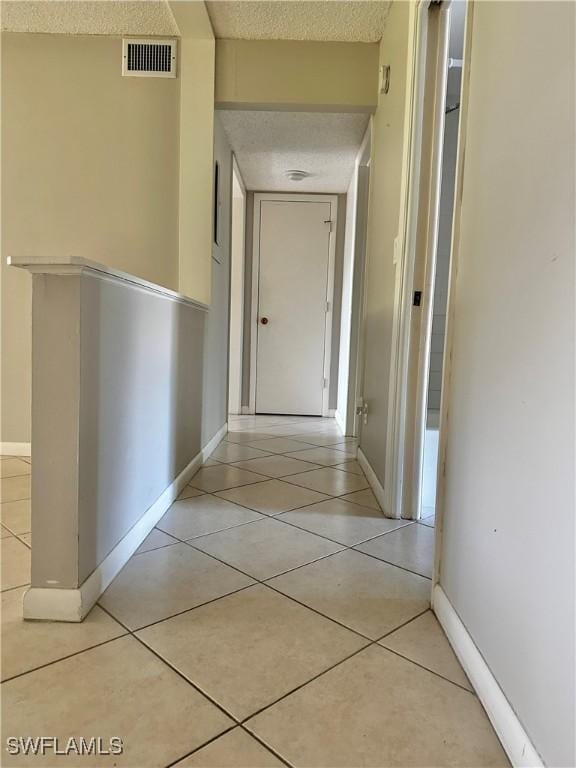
(345, 20)
(267, 144)
(89, 17)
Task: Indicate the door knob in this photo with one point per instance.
(264, 320)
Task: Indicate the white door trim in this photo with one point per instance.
(296, 197)
(403, 257)
(236, 334)
(429, 207)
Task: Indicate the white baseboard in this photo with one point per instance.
(247, 411)
(15, 449)
(340, 421)
(74, 604)
(212, 444)
(514, 739)
(375, 484)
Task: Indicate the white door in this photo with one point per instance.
(293, 283)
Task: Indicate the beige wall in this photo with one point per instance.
(383, 223)
(90, 168)
(294, 74)
(507, 556)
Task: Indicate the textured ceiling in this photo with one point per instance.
(267, 144)
(89, 17)
(345, 20)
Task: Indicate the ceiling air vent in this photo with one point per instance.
(149, 58)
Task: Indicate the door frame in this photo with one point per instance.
(400, 437)
(296, 197)
(236, 335)
(425, 255)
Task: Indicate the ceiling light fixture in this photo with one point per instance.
(295, 175)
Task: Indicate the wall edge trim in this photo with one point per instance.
(73, 605)
(375, 484)
(515, 741)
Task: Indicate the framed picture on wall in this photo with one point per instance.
(217, 206)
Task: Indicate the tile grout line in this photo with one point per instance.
(284, 479)
(427, 669)
(312, 679)
(181, 675)
(185, 610)
(267, 584)
(68, 655)
(304, 530)
(201, 746)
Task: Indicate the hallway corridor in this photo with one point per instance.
(272, 617)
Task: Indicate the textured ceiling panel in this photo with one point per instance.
(89, 17)
(267, 144)
(345, 20)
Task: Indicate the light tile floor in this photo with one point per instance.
(273, 617)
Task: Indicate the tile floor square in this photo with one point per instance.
(329, 440)
(15, 563)
(365, 498)
(189, 492)
(228, 452)
(350, 466)
(330, 481)
(16, 516)
(235, 749)
(118, 689)
(320, 455)
(424, 642)
(30, 644)
(249, 649)
(265, 548)
(277, 466)
(411, 547)
(277, 445)
(160, 583)
(341, 521)
(14, 488)
(378, 710)
(212, 462)
(13, 467)
(222, 477)
(155, 540)
(245, 436)
(360, 592)
(190, 518)
(272, 497)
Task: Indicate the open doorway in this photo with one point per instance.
(297, 168)
(439, 301)
(416, 391)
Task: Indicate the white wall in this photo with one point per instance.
(383, 225)
(507, 552)
(217, 327)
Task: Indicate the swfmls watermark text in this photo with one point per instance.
(73, 745)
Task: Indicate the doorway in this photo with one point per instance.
(416, 390)
(435, 331)
(293, 285)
